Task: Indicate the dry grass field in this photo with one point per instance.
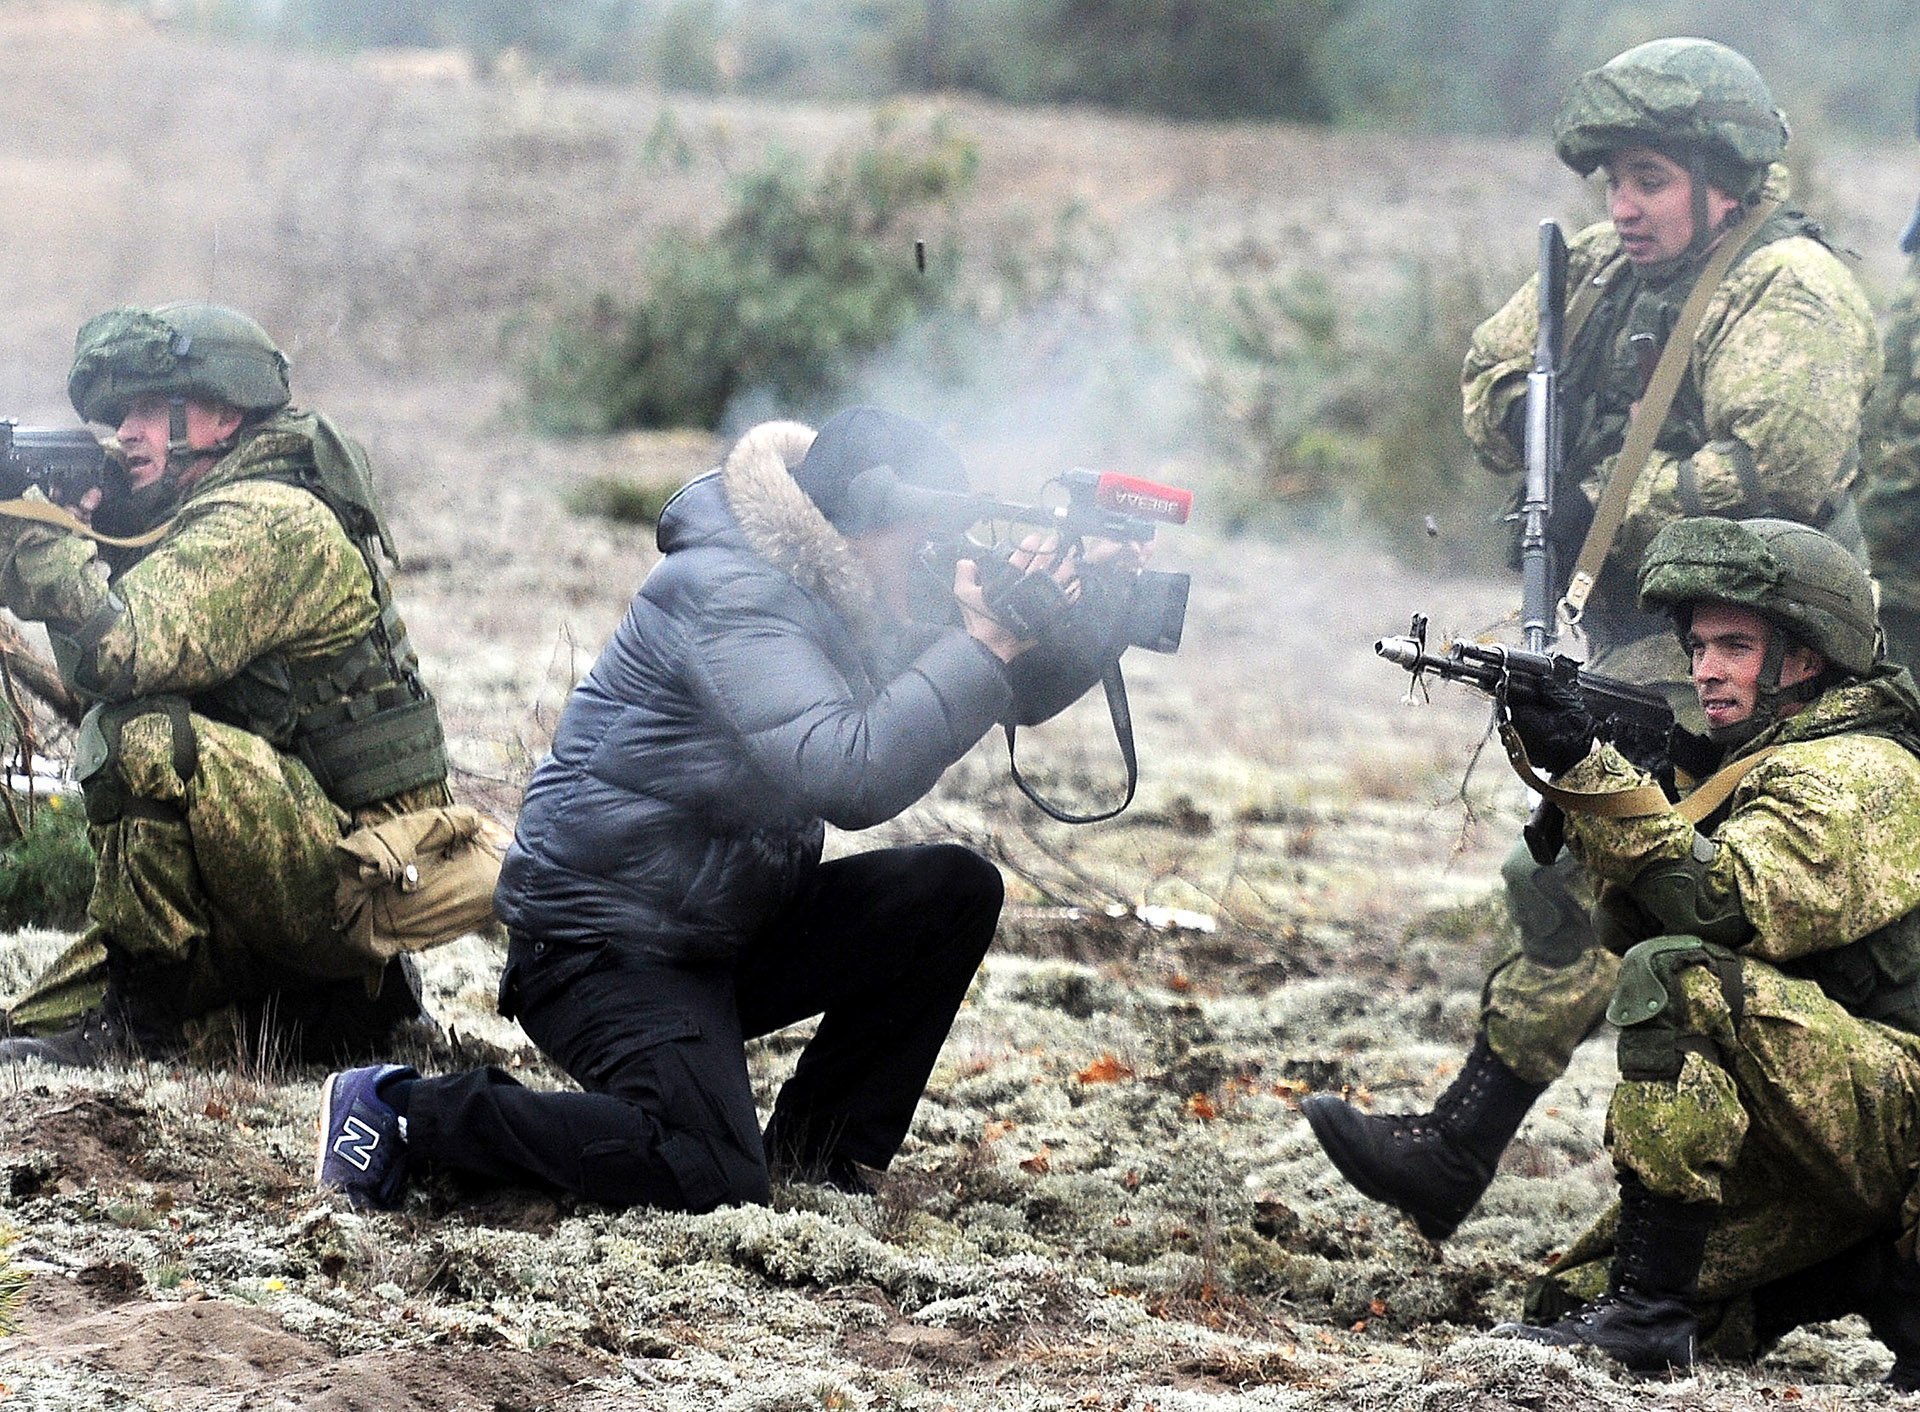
(1109, 1200)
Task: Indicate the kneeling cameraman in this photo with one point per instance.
(665, 892)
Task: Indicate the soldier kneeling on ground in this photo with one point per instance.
(1762, 1129)
(254, 698)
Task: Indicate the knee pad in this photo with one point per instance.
(1552, 921)
(98, 759)
(1655, 1035)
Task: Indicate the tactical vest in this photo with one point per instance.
(360, 719)
(1875, 978)
(1604, 378)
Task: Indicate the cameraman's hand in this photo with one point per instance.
(1040, 554)
(1114, 555)
(980, 624)
(1552, 722)
(1036, 554)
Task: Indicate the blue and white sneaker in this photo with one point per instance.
(363, 1142)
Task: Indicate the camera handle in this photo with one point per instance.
(1122, 716)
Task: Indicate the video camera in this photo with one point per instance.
(64, 462)
(1151, 609)
(1119, 606)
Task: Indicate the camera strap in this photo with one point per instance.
(1122, 717)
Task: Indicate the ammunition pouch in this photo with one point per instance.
(417, 880)
(1653, 1041)
(377, 748)
(97, 759)
(358, 720)
(1874, 978)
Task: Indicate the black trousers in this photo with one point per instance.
(882, 946)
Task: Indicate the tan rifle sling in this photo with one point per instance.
(1654, 405)
(1640, 802)
(48, 513)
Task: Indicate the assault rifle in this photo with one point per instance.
(65, 462)
(1545, 449)
(1636, 719)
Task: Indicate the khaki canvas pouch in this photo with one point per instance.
(417, 881)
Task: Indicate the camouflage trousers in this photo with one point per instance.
(216, 887)
(1800, 1122)
(1548, 994)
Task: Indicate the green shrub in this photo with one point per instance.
(623, 501)
(1346, 416)
(47, 874)
(807, 274)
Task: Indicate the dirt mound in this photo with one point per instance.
(212, 1355)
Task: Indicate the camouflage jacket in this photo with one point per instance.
(1890, 479)
(257, 606)
(1766, 423)
(1818, 847)
(248, 567)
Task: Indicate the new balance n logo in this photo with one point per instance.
(356, 1143)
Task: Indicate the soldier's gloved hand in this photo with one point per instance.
(14, 479)
(1552, 721)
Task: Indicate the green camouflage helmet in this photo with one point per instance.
(1789, 573)
(1683, 97)
(195, 350)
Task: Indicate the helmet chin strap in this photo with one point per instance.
(1703, 233)
(182, 453)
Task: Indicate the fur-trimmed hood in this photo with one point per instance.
(779, 523)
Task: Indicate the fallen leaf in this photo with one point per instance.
(1105, 1070)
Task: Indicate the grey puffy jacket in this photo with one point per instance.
(750, 694)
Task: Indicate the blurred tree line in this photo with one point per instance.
(1439, 65)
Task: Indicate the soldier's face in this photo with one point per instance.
(144, 430)
(1728, 648)
(1650, 198)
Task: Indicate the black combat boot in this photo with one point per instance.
(1892, 1307)
(1644, 1320)
(1433, 1166)
(1871, 1279)
(316, 1021)
(116, 1031)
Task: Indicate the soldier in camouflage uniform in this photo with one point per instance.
(254, 697)
(1890, 493)
(1769, 993)
(1766, 422)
